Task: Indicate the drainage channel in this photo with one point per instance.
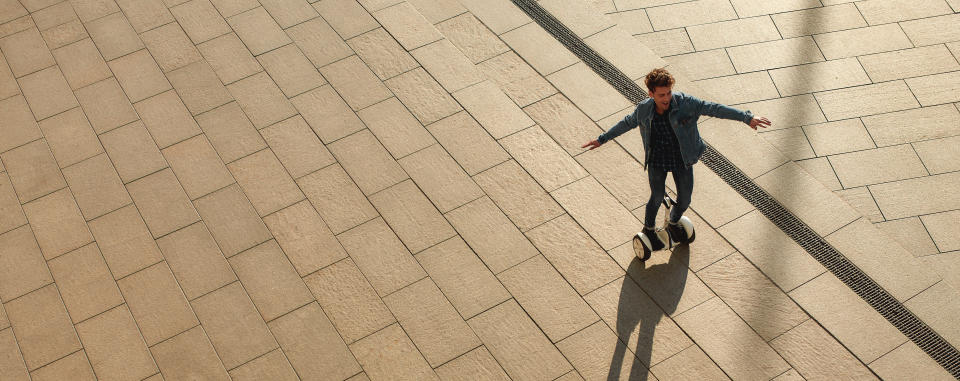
(888, 306)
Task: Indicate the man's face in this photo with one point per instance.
(662, 96)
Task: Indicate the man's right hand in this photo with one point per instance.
(593, 144)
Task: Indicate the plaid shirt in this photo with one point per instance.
(666, 148)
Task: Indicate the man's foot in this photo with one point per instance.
(677, 232)
(655, 242)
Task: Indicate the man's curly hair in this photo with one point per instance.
(658, 78)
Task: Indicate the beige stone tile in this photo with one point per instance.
(18, 24)
(26, 52)
(436, 11)
(348, 17)
(583, 19)
(629, 55)
(70, 137)
(778, 53)
(539, 48)
(862, 41)
(365, 159)
(272, 366)
(57, 223)
(818, 20)
(918, 196)
(935, 306)
(634, 21)
(12, 10)
(327, 113)
(909, 361)
(394, 126)
(929, 123)
(910, 233)
(47, 92)
(96, 186)
(734, 89)
(11, 215)
(787, 112)
(598, 212)
(691, 363)
(132, 151)
(668, 42)
(171, 47)
(542, 291)
(337, 198)
(861, 200)
(91, 9)
(574, 254)
(380, 51)
(233, 7)
(736, 32)
(140, 76)
(381, 256)
(200, 20)
(747, 8)
(297, 147)
(668, 281)
(43, 328)
(348, 300)
(448, 65)
(543, 158)
(12, 363)
(19, 126)
(937, 155)
(571, 376)
(821, 170)
(795, 189)
(432, 322)
(816, 354)
(838, 137)
(113, 35)
(588, 91)
(312, 345)
(500, 16)
(291, 70)
(270, 279)
(931, 30)
(517, 79)
(493, 109)
(265, 182)
(935, 89)
(75, 366)
(440, 178)
(195, 260)
(229, 58)
(189, 354)
(23, 267)
(758, 239)
(8, 84)
(167, 118)
(870, 100)
(639, 320)
(713, 325)
(64, 34)
(517, 343)
(909, 63)
(472, 37)
(105, 105)
(469, 144)
(407, 25)
(114, 345)
(716, 202)
(462, 277)
(319, 42)
(622, 176)
(597, 354)
(232, 221)
(883, 12)
(200, 88)
(197, 166)
(354, 81)
(82, 64)
(518, 195)
(163, 203)
(791, 142)
(234, 326)
(476, 363)
(685, 14)
(145, 15)
(157, 303)
(423, 96)
(390, 353)
(494, 238)
(289, 12)
(124, 241)
(259, 32)
(230, 132)
(758, 301)
(942, 230)
(305, 238)
(877, 165)
(819, 76)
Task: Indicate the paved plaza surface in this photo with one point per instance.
(384, 189)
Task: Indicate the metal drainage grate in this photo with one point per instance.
(888, 306)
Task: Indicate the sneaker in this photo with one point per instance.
(654, 239)
(677, 232)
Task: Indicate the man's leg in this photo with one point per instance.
(684, 180)
(657, 177)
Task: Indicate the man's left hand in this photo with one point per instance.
(761, 122)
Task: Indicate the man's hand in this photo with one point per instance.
(762, 122)
(593, 144)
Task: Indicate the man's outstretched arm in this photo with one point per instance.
(726, 112)
(624, 125)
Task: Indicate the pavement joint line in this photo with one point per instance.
(858, 281)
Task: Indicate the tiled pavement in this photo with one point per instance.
(279, 189)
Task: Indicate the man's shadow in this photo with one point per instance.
(638, 309)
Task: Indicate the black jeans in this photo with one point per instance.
(657, 177)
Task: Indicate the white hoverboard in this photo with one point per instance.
(644, 245)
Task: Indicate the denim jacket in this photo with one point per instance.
(684, 112)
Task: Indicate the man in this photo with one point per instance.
(671, 143)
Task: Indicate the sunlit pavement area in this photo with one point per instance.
(383, 189)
